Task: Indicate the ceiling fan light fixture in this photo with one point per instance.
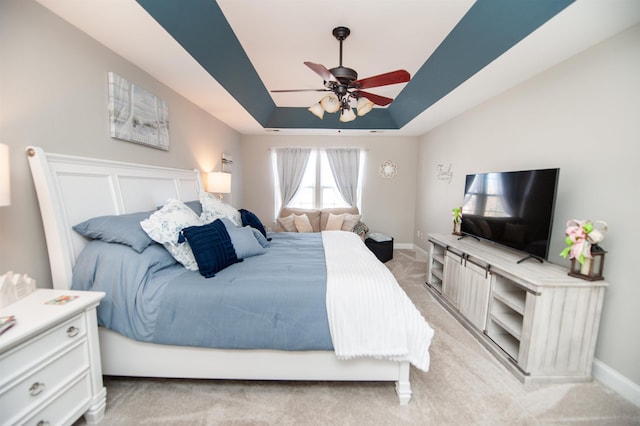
(317, 110)
(347, 115)
(330, 103)
(364, 106)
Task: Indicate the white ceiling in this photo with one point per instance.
(279, 35)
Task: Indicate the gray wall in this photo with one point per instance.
(584, 117)
(53, 94)
(387, 204)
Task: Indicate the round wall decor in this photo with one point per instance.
(388, 169)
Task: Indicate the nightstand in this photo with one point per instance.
(381, 245)
(50, 370)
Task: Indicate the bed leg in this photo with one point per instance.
(403, 386)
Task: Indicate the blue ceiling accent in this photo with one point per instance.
(490, 28)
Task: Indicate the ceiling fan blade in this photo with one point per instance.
(322, 71)
(299, 90)
(393, 77)
(376, 99)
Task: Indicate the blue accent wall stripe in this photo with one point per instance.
(489, 29)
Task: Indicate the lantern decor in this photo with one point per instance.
(587, 257)
(457, 220)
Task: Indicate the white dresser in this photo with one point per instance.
(50, 371)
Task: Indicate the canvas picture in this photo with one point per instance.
(137, 115)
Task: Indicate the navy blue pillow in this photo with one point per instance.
(252, 220)
(211, 246)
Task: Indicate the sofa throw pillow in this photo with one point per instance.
(335, 221)
(244, 242)
(164, 227)
(214, 208)
(287, 223)
(250, 219)
(122, 229)
(212, 247)
(302, 223)
(350, 221)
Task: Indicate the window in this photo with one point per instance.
(318, 188)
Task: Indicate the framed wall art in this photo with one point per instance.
(136, 115)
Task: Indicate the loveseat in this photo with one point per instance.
(316, 220)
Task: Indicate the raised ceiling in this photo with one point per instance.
(226, 56)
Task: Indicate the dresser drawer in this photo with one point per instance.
(20, 398)
(28, 355)
(65, 407)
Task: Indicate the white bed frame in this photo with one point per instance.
(72, 189)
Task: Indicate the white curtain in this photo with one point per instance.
(291, 164)
(345, 166)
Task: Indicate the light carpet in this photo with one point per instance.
(464, 386)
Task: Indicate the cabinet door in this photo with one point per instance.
(452, 275)
(473, 294)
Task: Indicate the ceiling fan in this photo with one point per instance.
(344, 86)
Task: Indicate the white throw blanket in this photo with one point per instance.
(369, 314)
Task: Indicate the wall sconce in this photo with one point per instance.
(219, 182)
(5, 176)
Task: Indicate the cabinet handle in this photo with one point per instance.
(36, 389)
(73, 331)
(43, 423)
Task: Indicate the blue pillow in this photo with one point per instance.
(243, 239)
(211, 246)
(250, 219)
(259, 237)
(121, 229)
(195, 206)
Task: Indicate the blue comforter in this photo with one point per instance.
(271, 301)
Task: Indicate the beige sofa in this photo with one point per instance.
(317, 217)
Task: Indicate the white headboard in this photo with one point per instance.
(72, 189)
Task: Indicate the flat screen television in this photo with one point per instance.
(514, 209)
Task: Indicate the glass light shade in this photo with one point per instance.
(5, 187)
(364, 106)
(317, 110)
(219, 182)
(330, 103)
(347, 115)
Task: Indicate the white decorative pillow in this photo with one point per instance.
(350, 221)
(287, 223)
(164, 226)
(214, 208)
(335, 221)
(302, 223)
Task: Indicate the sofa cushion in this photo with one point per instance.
(324, 214)
(350, 221)
(335, 222)
(312, 214)
(286, 223)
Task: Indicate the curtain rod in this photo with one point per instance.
(273, 148)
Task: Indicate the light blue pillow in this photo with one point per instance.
(259, 237)
(121, 229)
(244, 242)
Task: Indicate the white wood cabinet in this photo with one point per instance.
(540, 322)
(50, 369)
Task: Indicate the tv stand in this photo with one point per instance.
(531, 256)
(539, 322)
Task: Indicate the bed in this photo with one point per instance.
(72, 189)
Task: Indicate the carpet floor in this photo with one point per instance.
(464, 386)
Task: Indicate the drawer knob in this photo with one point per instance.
(36, 389)
(73, 331)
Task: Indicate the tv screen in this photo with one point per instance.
(514, 209)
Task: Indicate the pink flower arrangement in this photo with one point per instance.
(581, 236)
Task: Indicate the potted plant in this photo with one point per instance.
(457, 220)
(582, 239)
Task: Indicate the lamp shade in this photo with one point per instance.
(5, 187)
(317, 110)
(364, 106)
(330, 103)
(347, 115)
(219, 182)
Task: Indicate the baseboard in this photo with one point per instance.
(616, 381)
(403, 246)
